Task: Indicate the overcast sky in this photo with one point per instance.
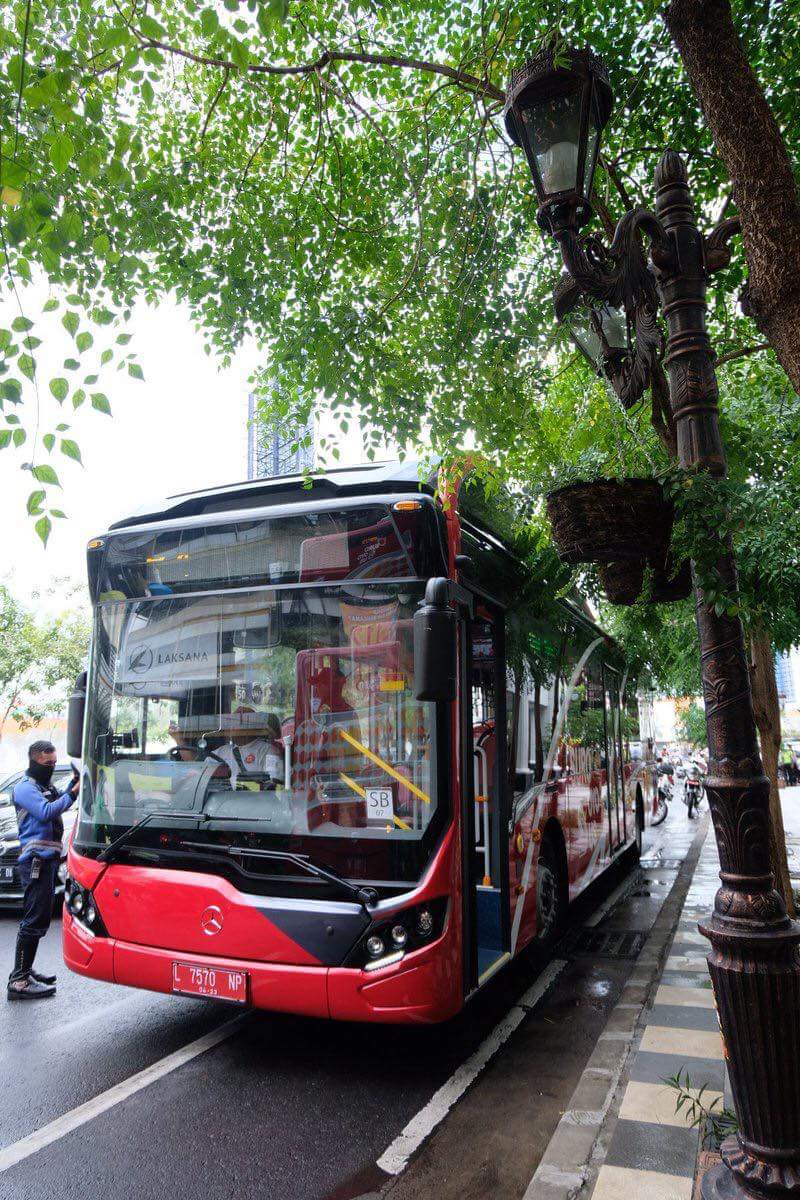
(184, 428)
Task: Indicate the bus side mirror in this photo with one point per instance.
(435, 627)
(76, 713)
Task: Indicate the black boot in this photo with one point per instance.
(42, 978)
(21, 986)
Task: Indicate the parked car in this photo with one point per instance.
(10, 883)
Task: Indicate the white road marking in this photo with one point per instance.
(61, 1126)
(395, 1158)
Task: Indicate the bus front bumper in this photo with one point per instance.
(421, 989)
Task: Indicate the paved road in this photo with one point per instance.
(302, 1109)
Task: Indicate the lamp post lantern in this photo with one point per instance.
(558, 105)
(753, 961)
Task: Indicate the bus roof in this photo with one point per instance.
(364, 479)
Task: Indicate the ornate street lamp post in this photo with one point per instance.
(556, 109)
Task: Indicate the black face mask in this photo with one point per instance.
(41, 772)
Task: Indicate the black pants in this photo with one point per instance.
(37, 909)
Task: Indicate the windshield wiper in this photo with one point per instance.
(367, 897)
(110, 852)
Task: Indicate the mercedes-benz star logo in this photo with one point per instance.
(211, 920)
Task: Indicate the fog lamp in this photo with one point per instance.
(399, 935)
(375, 947)
(425, 922)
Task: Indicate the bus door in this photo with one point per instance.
(485, 800)
(614, 773)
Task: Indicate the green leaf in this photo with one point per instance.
(43, 527)
(135, 370)
(18, 437)
(71, 321)
(100, 402)
(44, 473)
(209, 22)
(239, 53)
(101, 244)
(5, 438)
(124, 338)
(11, 390)
(151, 28)
(61, 151)
(48, 441)
(50, 305)
(57, 512)
(21, 324)
(35, 502)
(83, 341)
(71, 364)
(60, 388)
(71, 449)
(26, 364)
(78, 397)
(106, 357)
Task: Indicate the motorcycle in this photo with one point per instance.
(693, 790)
(663, 794)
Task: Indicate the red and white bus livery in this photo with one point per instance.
(319, 773)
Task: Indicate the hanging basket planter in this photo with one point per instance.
(622, 582)
(611, 521)
(669, 584)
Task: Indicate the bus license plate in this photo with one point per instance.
(215, 983)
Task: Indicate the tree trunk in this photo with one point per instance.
(750, 145)
(768, 719)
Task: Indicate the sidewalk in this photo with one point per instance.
(621, 1137)
(653, 1151)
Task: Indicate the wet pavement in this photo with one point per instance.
(304, 1109)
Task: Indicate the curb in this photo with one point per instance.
(580, 1142)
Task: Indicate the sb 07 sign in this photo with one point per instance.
(380, 804)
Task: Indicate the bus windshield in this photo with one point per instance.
(282, 718)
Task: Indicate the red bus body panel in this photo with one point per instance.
(153, 918)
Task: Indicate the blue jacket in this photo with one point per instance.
(39, 818)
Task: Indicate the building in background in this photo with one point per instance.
(785, 676)
(287, 451)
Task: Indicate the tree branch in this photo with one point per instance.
(482, 86)
(744, 353)
(214, 103)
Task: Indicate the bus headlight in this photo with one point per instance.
(389, 941)
(425, 922)
(82, 905)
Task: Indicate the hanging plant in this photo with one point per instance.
(611, 520)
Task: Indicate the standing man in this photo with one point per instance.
(39, 807)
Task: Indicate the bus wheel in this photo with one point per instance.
(551, 899)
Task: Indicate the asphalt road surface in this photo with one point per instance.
(297, 1109)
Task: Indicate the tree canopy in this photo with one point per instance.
(40, 658)
(334, 181)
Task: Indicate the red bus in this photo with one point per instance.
(317, 776)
